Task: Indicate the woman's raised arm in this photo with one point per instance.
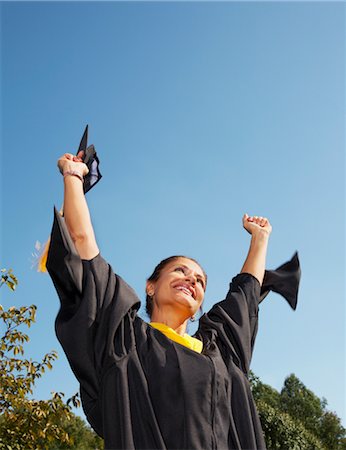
(260, 229)
(76, 211)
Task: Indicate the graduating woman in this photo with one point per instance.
(152, 386)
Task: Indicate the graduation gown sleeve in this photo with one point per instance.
(95, 304)
(233, 322)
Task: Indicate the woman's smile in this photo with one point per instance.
(186, 288)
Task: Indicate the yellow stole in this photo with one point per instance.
(186, 340)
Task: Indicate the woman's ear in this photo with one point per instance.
(150, 288)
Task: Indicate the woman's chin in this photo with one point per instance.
(188, 303)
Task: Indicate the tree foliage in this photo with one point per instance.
(282, 432)
(26, 423)
(301, 403)
(8, 278)
(296, 418)
(82, 437)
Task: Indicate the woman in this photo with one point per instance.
(151, 386)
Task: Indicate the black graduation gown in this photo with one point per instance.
(139, 389)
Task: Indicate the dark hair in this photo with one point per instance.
(149, 305)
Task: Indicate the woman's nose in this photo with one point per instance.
(191, 277)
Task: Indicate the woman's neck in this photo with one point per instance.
(175, 323)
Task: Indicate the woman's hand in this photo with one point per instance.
(260, 229)
(255, 224)
(69, 162)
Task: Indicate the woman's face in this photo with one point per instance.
(181, 285)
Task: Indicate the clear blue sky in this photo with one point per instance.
(199, 112)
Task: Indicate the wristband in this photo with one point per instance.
(74, 173)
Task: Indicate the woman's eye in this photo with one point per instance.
(200, 281)
(179, 269)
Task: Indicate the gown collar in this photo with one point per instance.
(186, 339)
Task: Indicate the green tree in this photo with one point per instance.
(296, 418)
(301, 403)
(263, 392)
(26, 423)
(282, 432)
(332, 433)
(308, 409)
(82, 436)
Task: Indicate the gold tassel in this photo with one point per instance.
(42, 261)
(42, 258)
